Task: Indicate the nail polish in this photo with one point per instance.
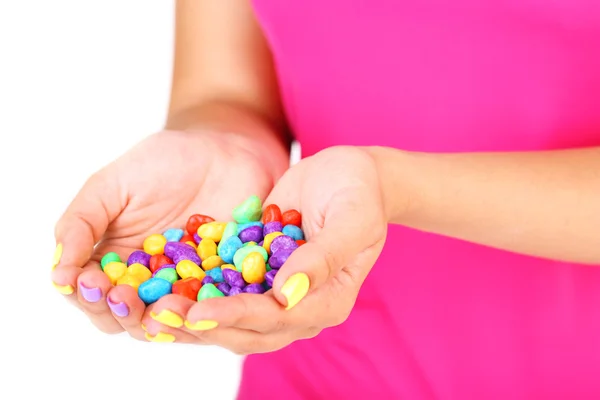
(66, 289)
(91, 295)
(160, 337)
(57, 255)
(119, 309)
(295, 288)
(201, 325)
(168, 318)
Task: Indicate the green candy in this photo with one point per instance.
(268, 267)
(241, 227)
(231, 229)
(168, 274)
(249, 211)
(208, 291)
(108, 258)
(240, 255)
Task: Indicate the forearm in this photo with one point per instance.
(544, 204)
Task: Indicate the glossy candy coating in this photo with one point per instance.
(187, 268)
(115, 270)
(231, 229)
(207, 248)
(139, 271)
(251, 234)
(155, 244)
(188, 288)
(139, 257)
(293, 231)
(130, 280)
(212, 262)
(178, 251)
(241, 227)
(163, 267)
(158, 261)
(212, 230)
(109, 257)
(272, 213)
(153, 289)
(228, 247)
(168, 274)
(173, 234)
(208, 291)
(269, 239)
(254, 268)
(187, 238)
(195, 221)
(239, 256)
(291, 217)
(249, 211)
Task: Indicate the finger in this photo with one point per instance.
(127, 309)
(161, 321)
(244, 342)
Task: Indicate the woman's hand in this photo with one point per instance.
(155, 186)
(338, 193)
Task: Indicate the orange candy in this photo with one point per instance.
(195, 221)
(291, 217)
(188, 287)
(300, 242)
(271, 213)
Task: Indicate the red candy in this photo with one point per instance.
(187, 238)
(188, 287)
(300, 242)
(157, 261)
(291, 217)
(195, 222)
(271, 213)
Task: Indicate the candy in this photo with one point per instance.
(163, 267)
(153, 289)
(192, 244)
(212, 262)
(115, 270)
(139, 271)
(233, 278)
(228, 266)
(268, 267)
(249, 211)
(139, 257)
(269, 239)
(241, 227)
(216, 274)
(196, 238)
(207, 279)
(207, 248)
(196, 221)
(173, 234)
(300, 242)
(234, 290)
(188, 288)
(155, 244)
(239, 256)
(212, 230)
(228, 247)
(158, 261)
(291, 217)
(178, 251)
(224, 288)
(187, 268)
(208, 291)
(108, 258)
(279, 258)
(130, 280)
(254, 268)
(251, 234)
(231, 229)
(168, 274)
(272, 213)
(255, 288)
(187, 238)
(271, 227)
(270, 277)
(283, 242)
(293, 231)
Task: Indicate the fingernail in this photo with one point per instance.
(119, 309)
(168, 318)
(144, 328)
(201, 325)
(91, 295)
(295, 288)
(160, 337)
(66, 290)
(57, 255)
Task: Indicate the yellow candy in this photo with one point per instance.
(250, 243)
(229, 266)
(191, 244)
(187, 268)
(212, 262)
(115, 270)
(155, 244)
(130, 280)
(207, 248)
(254, 268)
(212, 230)
(269, 239)
(139, 271)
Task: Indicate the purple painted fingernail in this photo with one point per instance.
(90, 294)
(119, 309)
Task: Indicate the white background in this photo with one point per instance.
(80, 83)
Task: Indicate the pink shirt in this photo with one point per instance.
(439, 318)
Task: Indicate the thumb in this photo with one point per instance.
(82, 225)
(317, 261)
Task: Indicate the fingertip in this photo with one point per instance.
(124, 303)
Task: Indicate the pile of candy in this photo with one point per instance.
(212, 258)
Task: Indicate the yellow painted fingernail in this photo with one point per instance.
(144, 328)
(295, 288)
(57, 255)
(201, 325)
(168, 318)
(160, 337)
(66, 290)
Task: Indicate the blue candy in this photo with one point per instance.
(153, 289)
(241, 227)
(293, 231)
(173, 234)
(228, 247)
(216, 274)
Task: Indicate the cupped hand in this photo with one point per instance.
(155, 186)
(343, 217)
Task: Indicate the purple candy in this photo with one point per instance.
(273, 226)
(208, 279)
(235, 290)
(163, 267)
(270, 276)
(261, 243)
(251, 234)
(197, 238)
(233, 278)
(178, 251)
(139, 257)
(279, 258)
(254, 288)
(283, 242)
(224, 288)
